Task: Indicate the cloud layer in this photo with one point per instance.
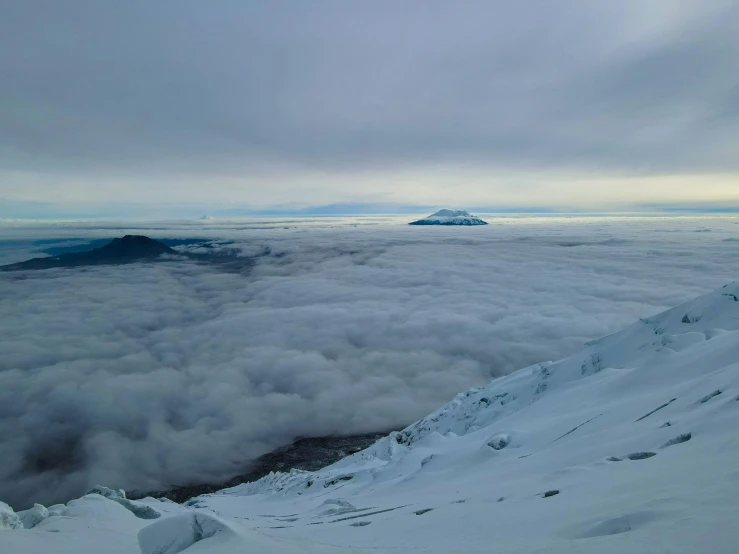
(143, 376)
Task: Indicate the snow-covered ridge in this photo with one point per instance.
(450, 217)
(674, 330)
(628, 445)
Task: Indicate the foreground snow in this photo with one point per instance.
(450, 217)
(630, 445)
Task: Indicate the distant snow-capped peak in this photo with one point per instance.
(450, 217)
(451, 213)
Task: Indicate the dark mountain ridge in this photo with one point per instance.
(130, 248)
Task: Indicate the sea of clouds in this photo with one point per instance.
(144, 376)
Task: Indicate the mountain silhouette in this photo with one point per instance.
(131, 248)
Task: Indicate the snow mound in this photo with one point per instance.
(450, 217)
(138, 509)
(33, 516)
(638, 346)
(177, 533)
(8, 518)
(499, 441)
(56, 510)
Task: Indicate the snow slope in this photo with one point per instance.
(630, 445)
(450, 217)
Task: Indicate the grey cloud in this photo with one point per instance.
(143, 87)
(144, 376)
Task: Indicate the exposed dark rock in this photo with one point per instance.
(309, 454)
(687, 318)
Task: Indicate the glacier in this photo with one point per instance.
(629, 445)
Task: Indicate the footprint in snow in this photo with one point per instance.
(640, 455)
(613, 526)
(685, 437)
(424, 511)
(707, 397)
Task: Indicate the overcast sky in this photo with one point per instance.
(127, 106)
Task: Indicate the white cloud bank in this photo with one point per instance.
(142, 376)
